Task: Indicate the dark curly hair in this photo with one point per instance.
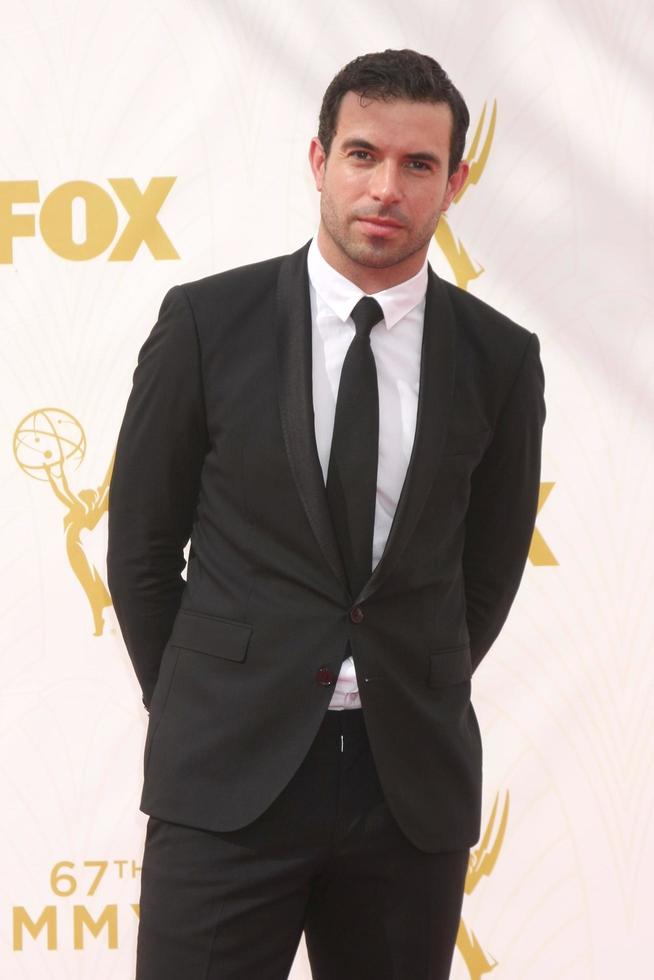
(390, 75)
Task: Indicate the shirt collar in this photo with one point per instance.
(341, 295)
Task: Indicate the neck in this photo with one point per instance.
(368, 278)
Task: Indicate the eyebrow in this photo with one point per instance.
(354, 143)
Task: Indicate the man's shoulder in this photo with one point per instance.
(251, 278)
(263, 271)
(483, 320)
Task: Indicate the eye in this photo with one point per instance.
(361, 155)
(419, 165)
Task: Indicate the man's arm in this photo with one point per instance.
(154, 486)
(502, 509)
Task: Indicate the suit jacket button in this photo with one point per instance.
(325, 677)
(356, 614)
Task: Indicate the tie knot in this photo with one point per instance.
(366, 314)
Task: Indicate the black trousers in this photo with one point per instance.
(328, 858)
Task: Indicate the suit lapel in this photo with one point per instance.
(293, 328)
(437, 364)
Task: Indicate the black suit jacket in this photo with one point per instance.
(218, 444)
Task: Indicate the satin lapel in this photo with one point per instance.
(293, 327)
(437, 367)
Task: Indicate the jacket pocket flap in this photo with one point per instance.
(209, 634)
(451, 666)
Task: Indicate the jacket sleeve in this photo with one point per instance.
(154, 486)
(503, 504)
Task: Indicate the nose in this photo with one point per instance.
(385, 183)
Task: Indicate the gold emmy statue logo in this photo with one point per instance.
(482, 861)
(462, 265)
(48, 444)
(465, 271)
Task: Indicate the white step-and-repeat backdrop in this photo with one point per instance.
(147, 143)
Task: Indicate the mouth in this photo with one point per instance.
(381, 227)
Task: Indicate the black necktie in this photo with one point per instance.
(352, 471)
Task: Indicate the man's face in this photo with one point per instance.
(383, 187)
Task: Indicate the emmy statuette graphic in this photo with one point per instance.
(453, 249)
(484, 857)
(482, 861)
(465, 271)
(48, 444)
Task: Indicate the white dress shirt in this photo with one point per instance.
(396, 344)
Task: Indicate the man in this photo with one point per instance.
(359, 484)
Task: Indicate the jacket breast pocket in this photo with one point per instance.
(211, 635)
(450, 666)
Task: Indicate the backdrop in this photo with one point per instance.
(148, 143)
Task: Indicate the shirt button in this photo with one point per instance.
(356, 614)
(325, 677)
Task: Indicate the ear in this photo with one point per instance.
(317, 160)
(454, 184)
